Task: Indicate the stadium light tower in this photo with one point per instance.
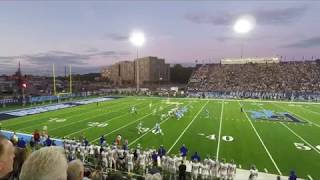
(244, 25)
(137, 39)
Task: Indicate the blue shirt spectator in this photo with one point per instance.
(183, 151)
(48, 141)
(21, 143)
(293, 176)
(162, 151)
(195, 156)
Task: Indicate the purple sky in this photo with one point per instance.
(90, 35)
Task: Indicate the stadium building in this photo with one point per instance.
(149, 69)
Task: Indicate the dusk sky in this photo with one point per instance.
(90, 35)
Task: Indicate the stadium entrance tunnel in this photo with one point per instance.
(269, 115)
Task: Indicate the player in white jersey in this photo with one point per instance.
(207, 113)
(205, 171)
(120, 159)
(195, 170)
(82, 153)
(223, 170)
(164, 163)
(104, 155)
(157, 129)
(142, 162)
(177, 161)
(154, 112)
(172, 167)
(130, 157)
(134, 110)
(110, 158)
(232, 170)
(139, 127)
(253, 173)
(163, 117)
(214, 168)
(114, 157)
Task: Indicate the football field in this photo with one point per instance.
(275, 136)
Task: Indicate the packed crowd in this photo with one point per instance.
(282, 78)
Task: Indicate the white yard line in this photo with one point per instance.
(297, 115)
(46, 122)
(310, 178)
(271, 158)
(185, 129)
(311, 111)
(122, 127)
(85, 119)
(99, 122)
(220, 127)
(74, 109)
(301, 138)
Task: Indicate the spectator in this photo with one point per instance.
(75, 170)
(183, 152)
(195, 157)
(21, 143)
(48, 163)
(36, 136)
(7, 154)
(86, 174)
(161, 151)
(182, 171)
(293, 175)
(21, 155)
(48, 141)
(32, 143)
(53, 143)
(14, 139)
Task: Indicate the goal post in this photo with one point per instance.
(55, 92)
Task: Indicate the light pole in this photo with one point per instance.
(137, 39)
(243, 26)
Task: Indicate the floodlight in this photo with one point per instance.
(244, 24)
(137, 39)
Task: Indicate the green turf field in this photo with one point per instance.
(273, 146)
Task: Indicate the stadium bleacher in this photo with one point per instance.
(282, 80)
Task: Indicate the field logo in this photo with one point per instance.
(97, 124)
(58, 120)
(274, 116)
